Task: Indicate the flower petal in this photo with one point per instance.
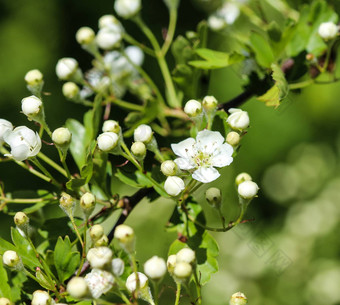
(222, 156)
(20, 152)
(206, 174)
(184, 163)
(208, 141)
(184, 148)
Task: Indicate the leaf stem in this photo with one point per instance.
(52, 164)
(171, 31)
(133, 41)
(46, 172)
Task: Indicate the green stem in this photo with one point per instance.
(22, 200)
(198, 288)
(126, 105)
(83, 257)
(76, 230)
(52, 164)
(45, 171)
(124, 298)
(301, 84)
(133, 41)
(155, 290)
(178, 293)
(171, 31)
(222, 217)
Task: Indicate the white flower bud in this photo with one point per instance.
(169, 168)
(21, 219)
(107, 141)
(66, 201)
(66, 68)
(241, 178)
(182, 271)
(111, 126)
(127, 8)
(11, 258)
(233, 138)
(34, 77)
(5, 301)
(5, 126)
(131, 281)
(209, 103)
(118, 266)
(238, 298)
(61, 136)
(193, 108)
(216, 23)
(41, 297)
(87, 201)
(143, 133)
(102, 242)
(96, 232)
(85, 35)
(77, 288)
(171, 263)
(138, 149)
(31, 106)
(126, 237)
(238, 119)
(173, 185)
(108, 21)
(155, 268)
(108, 38)
(99, 257)
(328, 30)
(70, 90)
(248, 189)
(214, 197)
(135, 54)
(186, 255)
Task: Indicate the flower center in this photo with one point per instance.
(202, 159)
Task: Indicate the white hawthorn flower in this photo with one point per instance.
(85, 35)
(143, 133)
(99, 257)
(203, 154)
(5, 301)
(127, 8)
(238, 119)
(5, 126)
(77, 288)
(99, 282)
(135, 54)
(24, 143)
(108, 37)
(328, 30)
(155, 268)
(107, 141)
(31, 105)
(173, 185)
(248, 189)
(66, 68)
(41, 297)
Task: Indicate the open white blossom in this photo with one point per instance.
(24, 143)
(99, 257)
(203, 154)
(99, 282)
(5, 126)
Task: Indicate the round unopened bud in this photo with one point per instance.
(238, 119)
(66, 68)
(118, 266)
(102, 242)
(107, 141)
(87, 201)
(169, 168)
(155, 268)
(238, 298)
(126, 237)
(85, 35)
(96, 232)
(248, 189)
(108, 21)
(111, 126)
(214, 197)
(10, 258)
(108, 38)
(61, 136)
(186, 255)
(241, 178)
(143, 133)
(193, 108)
(66, 201)
(173, 185)
(77, 288)
(328, 30)
(34, 77)
(41, 297)
(99, 257)
(31, 105)
(127, 8)
(233, 138)
(209, 103)
(182, 270)
(138, 149)
(70, 90)
(171, 263)
(21, 219)
(131, 281)
(5, 301)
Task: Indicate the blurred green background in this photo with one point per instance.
(290, 254)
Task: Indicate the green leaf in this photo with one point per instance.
(262, 49)
(274, 32)
(279, 91)
(215, 59)
(5, 289)
(75, 183)
(66, 261)
(128, 178)
(175, 247)
(92, 119)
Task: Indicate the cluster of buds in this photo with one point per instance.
(180, 265)
(99, 239)
(246, 188)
